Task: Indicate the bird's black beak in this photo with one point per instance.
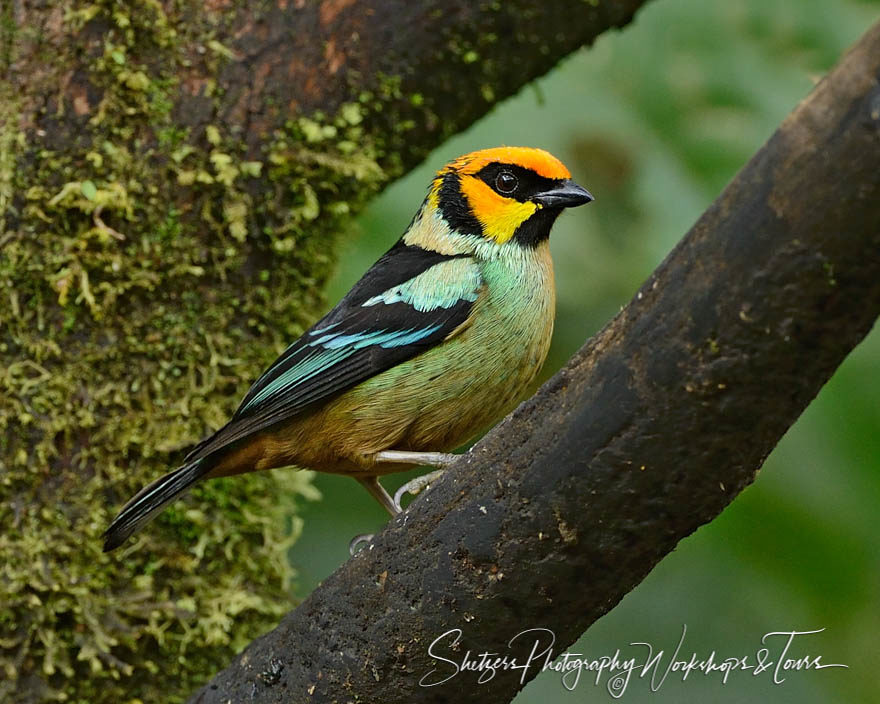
(566, 194)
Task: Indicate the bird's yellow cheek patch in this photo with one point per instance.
(499, 216)
(434, 193)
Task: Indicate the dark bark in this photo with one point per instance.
(649, 432)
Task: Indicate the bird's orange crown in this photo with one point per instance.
(541, 162)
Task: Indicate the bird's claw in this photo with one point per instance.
(416, 485)
(357, 540)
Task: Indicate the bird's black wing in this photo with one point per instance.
(409, 301)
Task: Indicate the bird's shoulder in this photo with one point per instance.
(422, 277)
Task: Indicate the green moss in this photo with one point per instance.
(147, 276)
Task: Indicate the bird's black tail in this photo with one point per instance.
(151, 500)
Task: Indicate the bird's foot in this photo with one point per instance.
(359, 542)
(416, 485)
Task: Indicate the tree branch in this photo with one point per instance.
(649, 432)
(439, 65)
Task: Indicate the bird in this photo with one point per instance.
(439, 339)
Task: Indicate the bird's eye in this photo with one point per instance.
(506, 182)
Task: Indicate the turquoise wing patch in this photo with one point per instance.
(383, 321)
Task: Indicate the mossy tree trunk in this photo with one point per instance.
(173, 178)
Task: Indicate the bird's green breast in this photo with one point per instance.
(443, 397)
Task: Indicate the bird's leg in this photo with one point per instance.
(377, 491)
(414, 486)
(429, 459)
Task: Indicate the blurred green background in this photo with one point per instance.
(655, 120)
